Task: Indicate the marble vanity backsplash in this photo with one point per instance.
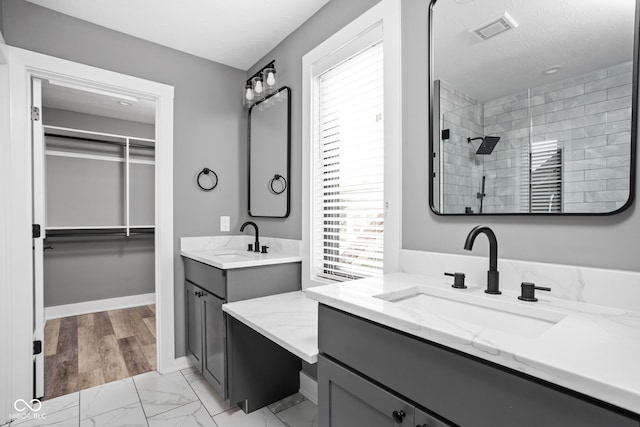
(283, 246)
(612, 288)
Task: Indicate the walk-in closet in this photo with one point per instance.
(96, 189)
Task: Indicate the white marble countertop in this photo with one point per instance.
(230, 258)
(591, 349)
(289, 319)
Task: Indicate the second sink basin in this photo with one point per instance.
(513, 318)
(234, 254)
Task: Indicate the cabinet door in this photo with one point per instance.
(193, 322)
(348, 400)
(214, 336)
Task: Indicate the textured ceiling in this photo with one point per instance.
(577, 35)
(233, 32)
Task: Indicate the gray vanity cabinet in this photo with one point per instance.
(210, 342)
(193, 320)
(348, 400)
(205, 334)
(214, 342)
(378, 369)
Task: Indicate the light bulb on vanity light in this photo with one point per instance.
(270, 78)
(258, 86)
(247, 95)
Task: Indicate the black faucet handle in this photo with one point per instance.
(250, 247)
(458, 280)
(264, 249)
(529, 291)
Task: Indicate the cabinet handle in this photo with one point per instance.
(398, 416)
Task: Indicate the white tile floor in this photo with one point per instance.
(177, 399)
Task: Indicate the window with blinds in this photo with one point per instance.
(348, 170)
(545, 177)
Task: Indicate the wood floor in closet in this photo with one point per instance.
(97, 348)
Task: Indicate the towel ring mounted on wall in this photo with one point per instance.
(278, 178)
(207, 171)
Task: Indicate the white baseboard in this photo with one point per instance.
(178, 364)
(308, 387)
(67, 310)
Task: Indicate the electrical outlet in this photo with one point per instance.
(225, 223)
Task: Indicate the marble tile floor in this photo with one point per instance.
(182, 398)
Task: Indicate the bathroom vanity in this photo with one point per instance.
(409, 350)
(243, 366)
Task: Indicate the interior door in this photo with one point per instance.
(39, 234)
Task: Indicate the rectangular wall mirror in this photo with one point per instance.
(269, 155)
(533, 106)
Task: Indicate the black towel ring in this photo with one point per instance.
(207, 171)
(278, 177)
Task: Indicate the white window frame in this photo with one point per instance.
(331, 51)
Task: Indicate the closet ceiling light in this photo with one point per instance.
(94, 90)
(552, 70)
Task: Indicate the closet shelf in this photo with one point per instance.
(99, 230)
(72, 154)
(82, 134)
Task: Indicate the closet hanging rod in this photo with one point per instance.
(97, 232)
(77, 138)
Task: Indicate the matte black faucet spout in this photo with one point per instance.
(256, 246)
(493, 277)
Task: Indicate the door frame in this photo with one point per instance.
(23, 65)
(5, 227)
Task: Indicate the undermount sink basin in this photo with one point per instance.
(483, 311)
(234, 253)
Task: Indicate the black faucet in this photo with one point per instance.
(493, 286)
(256, 246)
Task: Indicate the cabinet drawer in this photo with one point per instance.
(209, 278)
(348, 400)
(458, 387)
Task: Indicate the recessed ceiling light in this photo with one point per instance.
(125, 103)
(552, 70)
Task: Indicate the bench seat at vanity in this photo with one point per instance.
(290, 320)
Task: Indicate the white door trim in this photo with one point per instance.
(23, 65)
(5, 249)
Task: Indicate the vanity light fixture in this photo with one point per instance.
(260, 85)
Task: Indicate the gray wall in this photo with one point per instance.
(80, 269)
(288, 55)
(607, 242)
(209, 123)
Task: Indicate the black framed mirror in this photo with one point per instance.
(533, 106)
(269, 155)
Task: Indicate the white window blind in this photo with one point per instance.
(545, 177)
(348, 170)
